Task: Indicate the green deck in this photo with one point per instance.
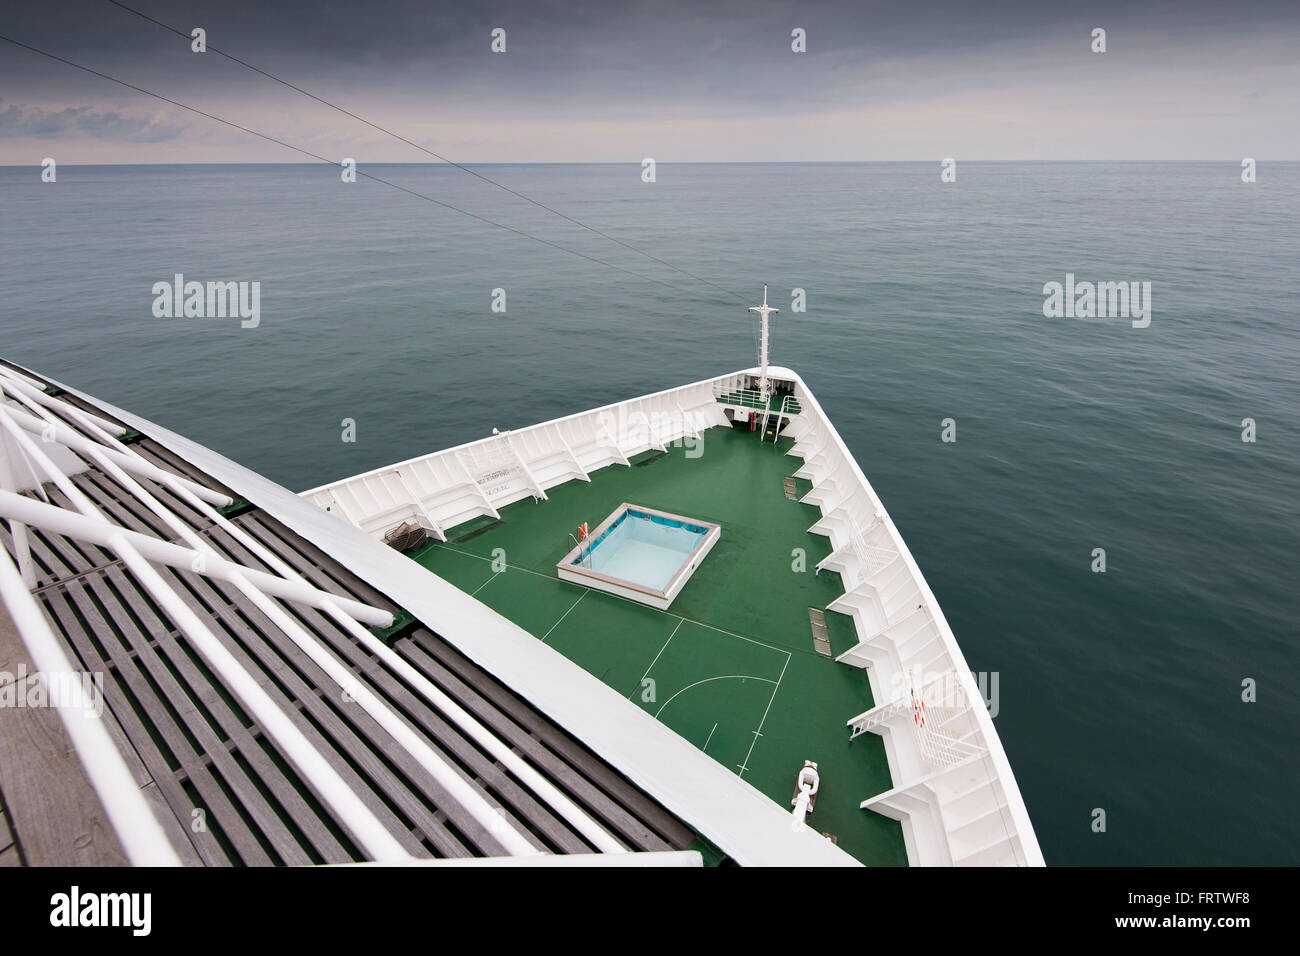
(732, 662)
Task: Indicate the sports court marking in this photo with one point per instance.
(705, 748)
(721, 677)
(641, 682)
(550, 577)
(564, 615)
(758, 733)
(776, 684)
(484, 584)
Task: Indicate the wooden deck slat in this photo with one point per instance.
(230, 725)
(443, 737)
(164, 458)
(177, 737)
(566, 778)
(173, 736)
(155, 683)
(48, 798)
(205, 845)
(321, 838)
(552, 750)
(562, 774)
(553, 737)
(289, 667)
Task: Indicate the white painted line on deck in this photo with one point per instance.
(758, 733)
(640, 683)
(619, 597)
(706, 680)
(705, 748)
(485, 583)
(571, 607)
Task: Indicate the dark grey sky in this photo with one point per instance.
(678, 81)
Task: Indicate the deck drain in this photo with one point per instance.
(820, 636)
(650, 460)
(791, 490)
(474, 533)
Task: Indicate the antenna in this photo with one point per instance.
(764, 311)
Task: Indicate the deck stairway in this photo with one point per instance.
(945, 778)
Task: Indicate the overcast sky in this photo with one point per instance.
(677, 81)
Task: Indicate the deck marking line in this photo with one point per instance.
(710, 737)
(484, 584)
(706, 680)
(680, 622)
(711, 627)
(566, 614)
(757, 734)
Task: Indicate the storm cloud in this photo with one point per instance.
(679, 81)
(73, 121)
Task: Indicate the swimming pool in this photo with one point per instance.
(641, 554)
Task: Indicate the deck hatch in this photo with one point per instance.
(820, 636)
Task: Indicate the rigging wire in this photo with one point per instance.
(361, 119)
(324, 159)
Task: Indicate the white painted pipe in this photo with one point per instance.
(523, 771)
(21, 377)
(133, 820)
(101, 532)
(19, 530)
(41, 397)
(134, 464)
(369, 832)
(474, 801)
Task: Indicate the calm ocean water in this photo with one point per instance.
(1119, 691)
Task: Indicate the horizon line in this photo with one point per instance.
(637, 163)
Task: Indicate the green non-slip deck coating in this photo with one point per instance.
(734, 652)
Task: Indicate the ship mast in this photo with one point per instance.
(764, 311)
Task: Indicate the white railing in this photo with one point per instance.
(952, 739)
(450, 487)
(744, 397)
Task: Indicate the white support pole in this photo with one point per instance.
(101, 532)
(472, 800)
(141, 467)
(40, 397)
(415, 500)
(523, 466)
(370, 833)
(582, 472)
(16, 528)
(458, 715)
(763, 311)
(133, 820)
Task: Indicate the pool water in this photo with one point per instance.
(642, 548)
